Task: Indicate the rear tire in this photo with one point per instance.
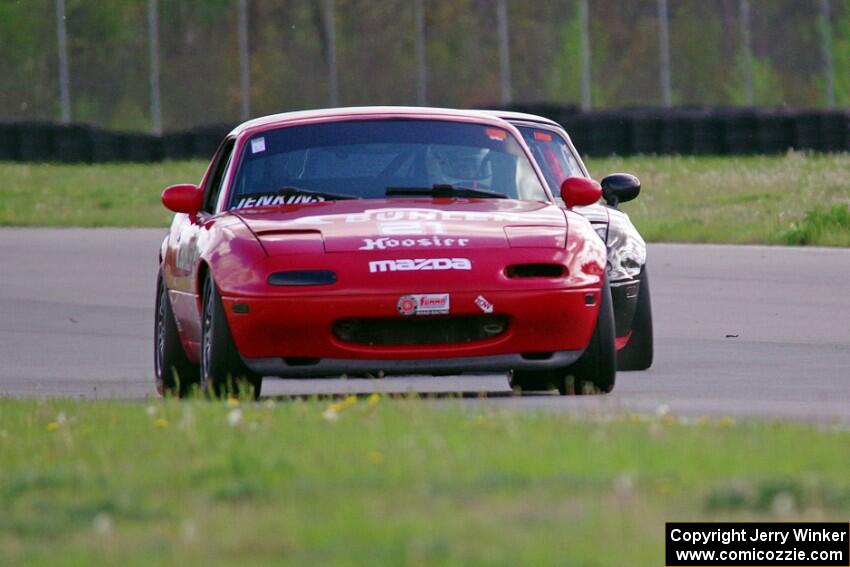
(176, 375)
(638, 352)
(223, 373)
(594, 372)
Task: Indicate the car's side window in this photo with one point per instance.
(551, 153)
(214, 184)
(575, 158)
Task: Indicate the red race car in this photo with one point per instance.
(371, 241)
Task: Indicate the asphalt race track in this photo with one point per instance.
(744, 331)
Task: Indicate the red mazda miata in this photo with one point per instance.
(380, 241)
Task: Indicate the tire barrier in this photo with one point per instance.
(683, 130)
(138, 147)
(8, 141)
(72, 143)
(646, 133)
(676, 134)
(609, 133)
(706, 133)
(775, 131)
(835, 136)
(739, 132)
(33, 141)
(177, 145)
(205, 139)
(700, 130)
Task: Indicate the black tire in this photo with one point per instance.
(594, 372)
(223, 372)
(638, 352)
(176, 375)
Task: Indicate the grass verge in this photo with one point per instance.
(377, 481)
(125, 194)
(795, 198)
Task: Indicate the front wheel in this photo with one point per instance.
(638, 352)
(594, 372)
(223, 373)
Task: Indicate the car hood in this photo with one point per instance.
(596, 213)
(398, 224)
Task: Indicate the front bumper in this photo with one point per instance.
(301, 327)
(624, 296)
(288, 368)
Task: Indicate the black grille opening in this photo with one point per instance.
(535, 271)
(420, 330)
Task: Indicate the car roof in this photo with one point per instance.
(289, 118)
(511, 116)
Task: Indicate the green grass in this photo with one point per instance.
(795, 198)
(90, 195)
(819, 225)
(388, 482)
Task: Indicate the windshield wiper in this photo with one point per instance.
(289, 190)
(444, 190)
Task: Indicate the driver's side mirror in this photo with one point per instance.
(620, 187)
(184, 198)
(580, 192)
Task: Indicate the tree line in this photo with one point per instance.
(374, 45)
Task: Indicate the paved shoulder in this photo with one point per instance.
(75, 311)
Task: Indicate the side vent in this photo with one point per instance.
(518, 271)
(302, 277)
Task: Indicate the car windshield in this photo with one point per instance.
(552, 154)
(377, 159)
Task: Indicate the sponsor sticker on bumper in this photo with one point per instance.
(424, 304)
